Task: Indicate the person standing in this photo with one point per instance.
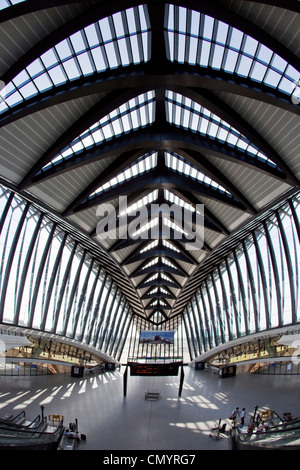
(234, 415)
(242, 416)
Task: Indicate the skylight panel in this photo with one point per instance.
(111, 42)
(208, 28)
(169, 245)
(258, 71)
(49, 58)
(125, 119)
(168, 223)
(8, 3)
(167, 262)
(224, 47)
(176, 200)
(144, 164)
(153, 278)
(151, 245)
(165, 277)
(181, 111)
(177, 163)
(157, 290)
(222, 32)
(151, 263)
(92, 35)
(142, 202)
(154, 290)
(150, 225)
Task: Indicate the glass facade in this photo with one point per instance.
(254, 288)
(48, 282)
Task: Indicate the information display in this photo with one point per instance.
(154, 369)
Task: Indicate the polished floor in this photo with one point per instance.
(114, 422)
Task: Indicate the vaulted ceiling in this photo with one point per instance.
(190, 106)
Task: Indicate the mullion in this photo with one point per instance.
(120, 346)
(200, 321)
(240, 54)
(39, 275)
(201, 38)
(109, 123)
(254, 59)
(188, 333)
(109, 324)
(60, 61)
(88, 50)
(51, 282)
(226, 49)
(12, 252)
(74, 54)
(127, 36)
(67, 314)
(176, 32)
(118, 313)
(288, 261)
(138, 112)
(284, 75)
(92, 325)
(213, 43)
(139, 34)
(129, 110)
(192, 306)
(190, 318)
(101, 45)
(102, 314)
(114, 40)
(119, 329)
(188, 37)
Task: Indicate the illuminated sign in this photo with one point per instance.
(154, 369)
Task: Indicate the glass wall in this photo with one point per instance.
(255, 287)
(48, 282)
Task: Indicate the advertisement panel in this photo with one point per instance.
(156, 337)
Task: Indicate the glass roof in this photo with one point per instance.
(118, 40)
(134, 114)
(144, 164)
(149, 247)
(178, 164)
(140, 112)
(183, 112)
(199, 39)
(151, 197)
(155, 277)
(156, 290)
(123, 39)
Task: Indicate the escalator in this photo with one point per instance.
(273, 433)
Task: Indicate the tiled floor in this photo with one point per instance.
(114, 422)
